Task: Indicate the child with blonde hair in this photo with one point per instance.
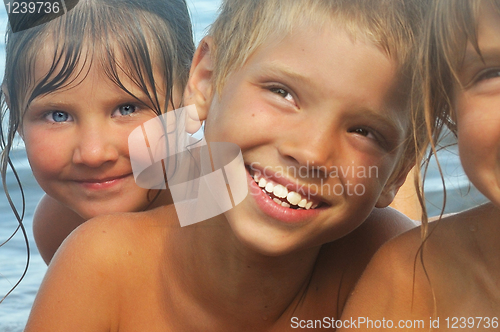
(450, 280)
(315, 94)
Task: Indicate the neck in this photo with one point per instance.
(232, 283)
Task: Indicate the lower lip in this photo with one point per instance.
(105, 184)
(281, 213)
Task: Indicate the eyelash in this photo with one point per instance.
(485, 75)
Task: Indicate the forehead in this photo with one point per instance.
(101, 61)
(488, 26)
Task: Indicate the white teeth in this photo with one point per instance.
(293, 198)
(269, 187)
(256, 177)
(280, 191)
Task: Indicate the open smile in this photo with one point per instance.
(281, 198)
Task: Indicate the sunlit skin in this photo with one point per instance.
(246, 270)
(461, 255)
(77, 145)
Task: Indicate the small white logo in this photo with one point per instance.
(205, 179)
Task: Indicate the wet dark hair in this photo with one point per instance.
(123, 37)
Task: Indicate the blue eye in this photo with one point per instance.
(125, 110)
(58, 116)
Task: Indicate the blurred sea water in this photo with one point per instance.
(15, 309)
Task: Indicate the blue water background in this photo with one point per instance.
(15, 309)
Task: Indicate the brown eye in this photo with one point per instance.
(279, 91)
(283, 93)
(361, 131)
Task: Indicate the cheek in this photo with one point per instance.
(45, 154)
(237, 122)
(479, 140)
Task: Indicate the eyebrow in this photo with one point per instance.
(276, 68)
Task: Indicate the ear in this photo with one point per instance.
(199, 90)
(392, 187)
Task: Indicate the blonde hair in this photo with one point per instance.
(393, 25)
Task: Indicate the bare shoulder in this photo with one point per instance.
(81, 275)
(90, 270)
(122, 237)
(409, 278)
(52, 223)
(387, 288)
(341, 263)
(385, 224)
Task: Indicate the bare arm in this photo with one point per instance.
(78, 292)
(52, 223)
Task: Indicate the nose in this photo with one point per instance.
(95, 146)
(315, 148)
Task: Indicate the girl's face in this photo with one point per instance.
(478, 108)
(77, 143)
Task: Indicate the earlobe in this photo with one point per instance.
(386, 197)
(199, 89)
(392, 188)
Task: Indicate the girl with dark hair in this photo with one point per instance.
(75, 86)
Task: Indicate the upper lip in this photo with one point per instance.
(102, 179)
(280, 178)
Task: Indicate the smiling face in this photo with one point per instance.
(77, 142)
(477, 106)
(318, 114)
